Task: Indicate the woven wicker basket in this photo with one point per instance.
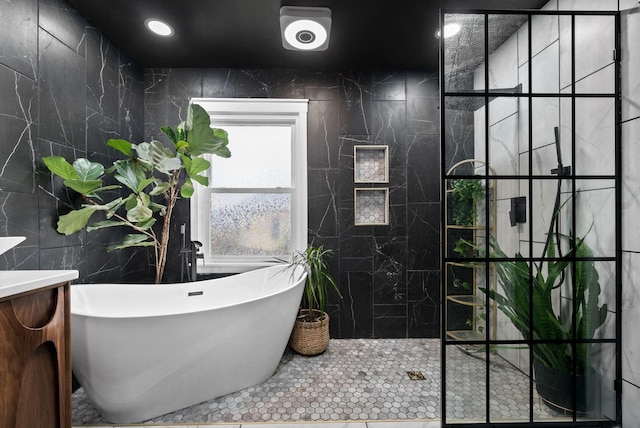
(310, 338)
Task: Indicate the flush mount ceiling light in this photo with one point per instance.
(450, 30)
(305, 28)
(159, 27)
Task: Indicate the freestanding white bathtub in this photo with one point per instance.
(141, 351)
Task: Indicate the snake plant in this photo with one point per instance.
(521, 280)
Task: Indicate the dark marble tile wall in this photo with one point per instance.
(388, 275)
(64, 89)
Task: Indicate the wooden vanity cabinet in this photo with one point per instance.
(35, 358)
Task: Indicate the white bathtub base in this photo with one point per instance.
(135, 368)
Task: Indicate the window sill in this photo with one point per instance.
(230, 268)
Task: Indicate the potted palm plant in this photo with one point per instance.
(310, 335)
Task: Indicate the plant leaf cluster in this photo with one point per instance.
(319, 279)
(466, 192)
(150, 178)
(519, 278)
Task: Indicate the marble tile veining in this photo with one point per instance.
(20, 36)
(18, 131)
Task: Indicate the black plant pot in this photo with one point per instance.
(556, 389)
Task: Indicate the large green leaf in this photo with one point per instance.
(130, 202)
(197, 116)
(60, 167)
(130, 174)
(142, 150)
(75, 220)
(141, 212)
(146, 225)
(111, 206)
(187, 188)
(83, 187)
(197, 165)
(132, 240)
(207, 140)
(201, 179)
(123, 146)
(162, 209)
(222, 138)
(144, 183)
(193, 167)
(144, 199)
(170, 133)
(88, 170)
(105, 188)
(160, 188)
(201, 137)
(163, 159)
(83, 176)
(106, 223)
(120, 202)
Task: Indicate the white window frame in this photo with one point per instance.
(259, 112)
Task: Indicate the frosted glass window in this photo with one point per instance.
(250, 224)
(261, 158)
(253, 213)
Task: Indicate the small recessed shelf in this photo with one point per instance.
(371, 164)
(371, 207)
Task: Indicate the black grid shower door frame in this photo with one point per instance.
(485, 95)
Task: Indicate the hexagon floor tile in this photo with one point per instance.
(359, 380)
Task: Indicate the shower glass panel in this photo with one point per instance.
(466, 383)
(594, 61)
(531, 185)
(461, 50)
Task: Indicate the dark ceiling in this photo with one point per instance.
(365, 34)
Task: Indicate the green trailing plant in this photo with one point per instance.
(480, 317)
(456, 281)
(319, 281)
(464, 248)
(544, 324)
(151, 177)
(466, 193)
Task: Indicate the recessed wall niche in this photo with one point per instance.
(371, 207)
(371, 164)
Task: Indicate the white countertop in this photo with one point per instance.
(20, 281)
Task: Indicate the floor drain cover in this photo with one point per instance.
(416, 375)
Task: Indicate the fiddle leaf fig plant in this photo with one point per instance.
(151, 177)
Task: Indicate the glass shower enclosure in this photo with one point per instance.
(531, 218)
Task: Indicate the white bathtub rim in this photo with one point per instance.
(285, 269)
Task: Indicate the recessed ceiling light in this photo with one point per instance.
(305, 28)
(159, 27)
(450, 30)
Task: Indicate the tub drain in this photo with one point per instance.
(416, 375)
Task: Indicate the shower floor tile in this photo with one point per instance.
(354, 380)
